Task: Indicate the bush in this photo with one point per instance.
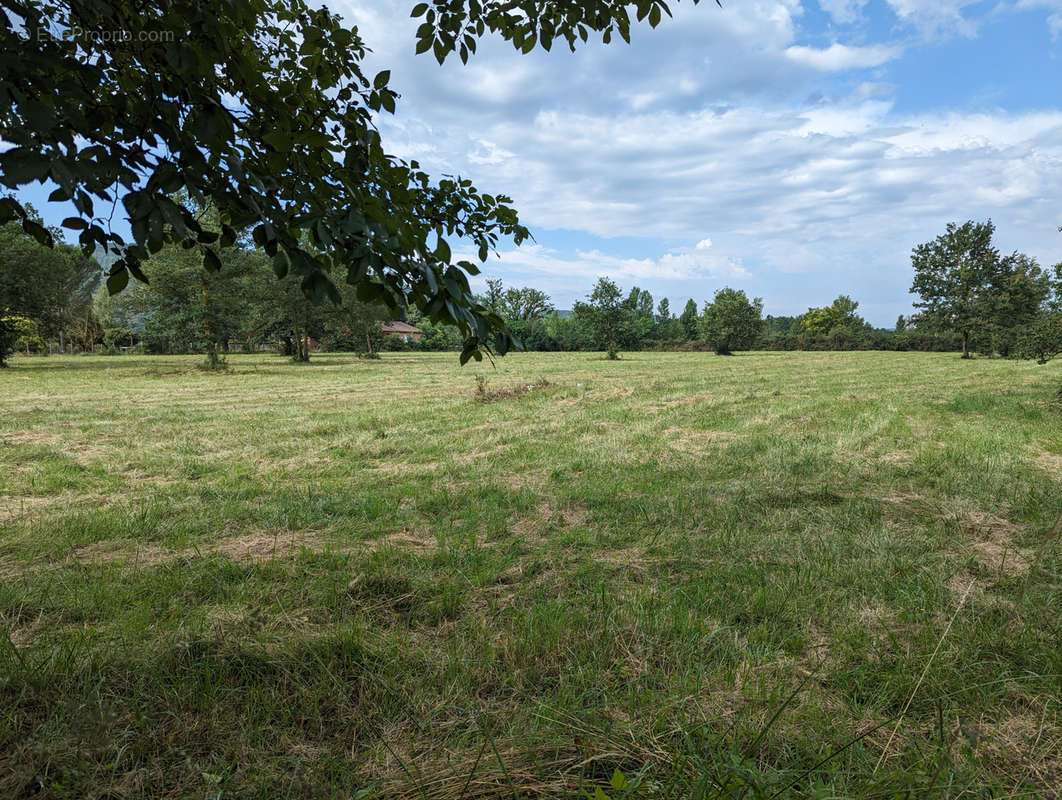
(18, 333)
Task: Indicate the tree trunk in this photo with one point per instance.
(965, 344)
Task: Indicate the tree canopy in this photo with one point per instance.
(261, 107)
(732, 321)
(956, 275)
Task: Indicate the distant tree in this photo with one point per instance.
(957, 276)
(1040, 339)
(1022, 289)
(185, 308)
(15, 332)
(524, 304)
(264, 107)
(901, 324)
(353, 325)
(841, 313)
(606, 315)
(640, 318)
(51, 286)
(668, 328)
(773, 326)
(689, 319)
(731, 321)
(492, 299)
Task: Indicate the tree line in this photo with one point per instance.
(970, 297)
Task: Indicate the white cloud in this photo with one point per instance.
(838, 57)
(681, 264)
(1054, 18)
(691, 135)
(843, 11)
(934, 17)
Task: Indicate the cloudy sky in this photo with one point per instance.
(797, 150)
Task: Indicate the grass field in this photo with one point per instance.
(675, 575)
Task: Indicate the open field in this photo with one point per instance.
(708, 573)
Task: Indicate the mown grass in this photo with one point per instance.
(719, 576)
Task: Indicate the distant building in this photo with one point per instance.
(407, 332)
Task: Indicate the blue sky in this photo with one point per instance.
(796, 150)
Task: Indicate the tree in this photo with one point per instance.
(187, 309)
(957, 275)
(1021, 291)
(732, 322)
(262, 107)
(606, 314)
(778, 325)
(524, 304)
(841, 313)
(668, 328)
(493, 298)
(1041, 339)
(355, 326)
(640, 318)
(51, 286)
(689, 318)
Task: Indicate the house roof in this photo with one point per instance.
(400, 327)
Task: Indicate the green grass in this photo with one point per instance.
(710, 574)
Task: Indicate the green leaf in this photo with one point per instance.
(117, 281)
(381, 79)
(74, 223)
(211, 260)
(619, 781)
(418, 10)
(442, 251)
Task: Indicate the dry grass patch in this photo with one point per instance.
(1049, 462)
(420, 542)
(688, 400)
(995, 547)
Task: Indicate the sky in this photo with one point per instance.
(795, 150)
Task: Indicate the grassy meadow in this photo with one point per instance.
(676, 575)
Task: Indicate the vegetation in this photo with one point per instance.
(632, 566)
(46, 289)
(606, 316)
(965, 286)
(732, 322)
(262, 111)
